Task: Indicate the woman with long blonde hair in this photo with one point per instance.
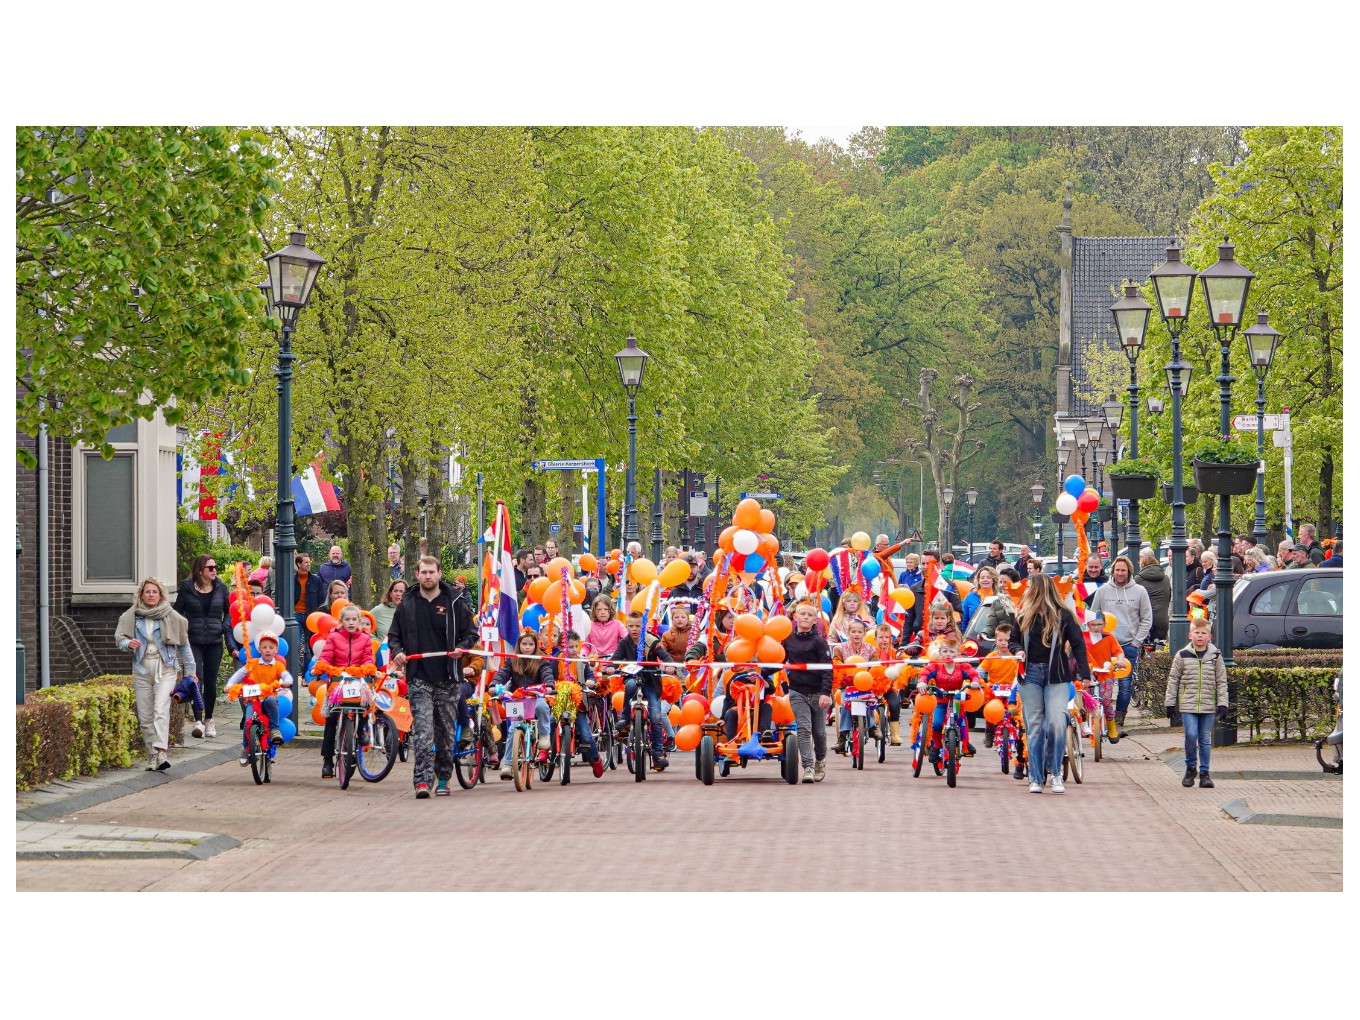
(1048, 634)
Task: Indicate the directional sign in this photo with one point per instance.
(564, 465)
(1247, 422)
(577, 528)
(554, 528)
(760, 495)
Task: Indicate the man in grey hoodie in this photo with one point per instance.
(1132, 610)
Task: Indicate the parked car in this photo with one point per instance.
(1288, 608)
(1069, 566)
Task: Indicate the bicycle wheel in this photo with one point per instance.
(468, 765)
(519, 760)
(1072, 757)
(1003, 748)
(950, 753)
(566, 746)
(639, 744)
(344, 745)
(379, 755)
(918, 754)
(547, 769)
(882, 736)
(858, 736)
(703, 758)
(259, 753)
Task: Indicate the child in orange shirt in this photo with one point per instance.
(1103, 653)
(266, 670)
(1000, 670)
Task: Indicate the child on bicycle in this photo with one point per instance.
(654, 651)
(898, 675)
(939, 624)
(1104, 653)
(949, 675)
(270, 670)
(347, 647)
(999, 668)
(854, 645)
(581, 674)
(522, 671)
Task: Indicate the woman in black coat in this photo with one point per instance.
(202, 600)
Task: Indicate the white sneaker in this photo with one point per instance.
(243, 761)
(1035, 786)
(809, 776)
(1085, 730)
(1056, 785)
(198, 728)
(211, 729)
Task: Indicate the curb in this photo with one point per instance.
(44, 810)
(1238, 811)
(200, 850)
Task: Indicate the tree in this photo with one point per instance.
(137, 254)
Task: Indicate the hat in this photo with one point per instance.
(268, 636)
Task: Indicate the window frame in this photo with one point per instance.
(81, 582)
(1289, 597)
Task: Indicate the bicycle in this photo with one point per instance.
(952, 738)
(780, 743)
(471, 758)
(1073, 752)
(376, 755)
(1096, 718)
(1009, 737)
(601, 725)
(257, 727)
(863, 705)
(351, 697)
(518, 707)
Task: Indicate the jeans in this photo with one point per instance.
(270, 705)
(811, 721)
(651, 690)
(1045, 708)
(1199, 732)
(208, 662)
(1131, 652)
(153, 707)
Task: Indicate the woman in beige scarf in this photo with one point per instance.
(158, 638)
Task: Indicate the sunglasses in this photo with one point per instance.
(210, 566)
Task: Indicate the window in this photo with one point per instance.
(110, 518)
(1273, 600)
(1320, 596)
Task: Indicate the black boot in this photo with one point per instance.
(1205, 783)
(1189, 777)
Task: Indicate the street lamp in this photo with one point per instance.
(632, 362)
(1156, 405)
(970, 495)
(1262, 342)
(1173, 282)
(292, 275)
(948, 534)
(1037, 491)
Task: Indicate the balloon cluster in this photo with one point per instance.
(750, 539)
(1077, 500)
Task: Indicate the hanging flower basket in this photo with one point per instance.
(1188, 493)
(1133, 486)
(1225, 479)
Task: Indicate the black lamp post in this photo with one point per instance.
(1226, 285)
(1131, 319)
(292, 274)
(1174, 284)
(948, 534)
(970, 495)
(1262, 342)
(1113, 412)
(632, 362)
(1081, 435)
(1037, 491)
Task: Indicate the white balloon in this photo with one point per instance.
(239, 632)
(1066, 503)
(318, 644)
(260, 618)
(800, 590)
(277, 626)
(717, 707)
(745, 542)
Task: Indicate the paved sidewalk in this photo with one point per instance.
(55, 841)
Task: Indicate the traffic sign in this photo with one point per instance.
(554, 528)
(1247, 422)
(1125, 502)
(564, 465)
(698, 504)
(760, 495)
(915, 536)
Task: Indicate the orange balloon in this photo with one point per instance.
(675, 572)
(781, 710)
(766, 521)
(338, 605)
(856, 659)
(687, 737)
(925, 704)
(1110, 623)
(317, 716)
(537, 587)
(740, 650)
(553, 568)
(769, 547)
(639, 602)
(325, 624)
(778, 627)
(964, 587)
(725, 539)
(612, 567)
(769, 650)
(589, 563)
(642, 571)
(314, 621)
(747, 515)
(974, 700)
(313, 685)
(749, 626)
(674, 715)
(864, 680)
(994, 711)
(904, 597)
(693, 713)
(1122, 669)
(552, 596)
(617, 701)
(576, 594)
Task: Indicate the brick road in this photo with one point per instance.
(1130, 827)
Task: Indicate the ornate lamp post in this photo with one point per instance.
(1262, 342)
(292, 275)
(1081, 435)
(1131, 314)
(656, 497)
(948, 534)
(1037, 491)
(632, 362)
(1174, 284)
(970, 496)
(1113, 412)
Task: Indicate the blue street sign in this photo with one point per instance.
(576, 528)
(565, 465)
(760, 495)
(1124, 502)
(554, 528)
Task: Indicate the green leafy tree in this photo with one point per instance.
(136, 252)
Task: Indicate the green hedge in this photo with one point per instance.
(78, 729)
(1286, 690)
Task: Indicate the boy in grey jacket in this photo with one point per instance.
(1197, 684)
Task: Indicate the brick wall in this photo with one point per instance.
(26, 513)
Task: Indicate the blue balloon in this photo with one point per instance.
(880, 616)
(1075, 485)
(754, 564)
(254, 650)
(535, 613)
(241, 654)
(283, 648)
(826, 602)
(286, 728)
(285, 703)
(870, 568)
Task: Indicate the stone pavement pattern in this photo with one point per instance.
(1129, 827)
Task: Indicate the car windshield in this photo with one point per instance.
(979, 620)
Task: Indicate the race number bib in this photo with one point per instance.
(632, 669)
(250, 691)
(490, 637)
(352, 690)
(514, 710)
(859, 708)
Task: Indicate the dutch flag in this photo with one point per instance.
(501, 597)
(312, 495)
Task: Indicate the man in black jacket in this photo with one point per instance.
(995, 557)
(434, 618)
(309, 593)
